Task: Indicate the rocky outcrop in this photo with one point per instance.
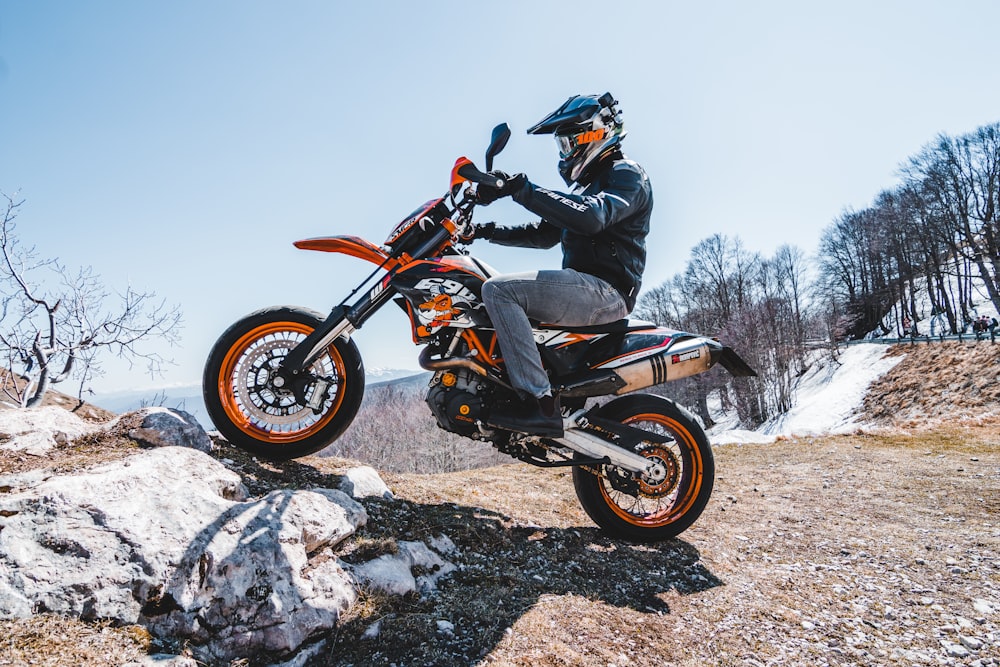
(169, 538)
(39, 430)
(163, 427)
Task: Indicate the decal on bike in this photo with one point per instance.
(686, 356)
(636, 355)
(556, 338)
(450, 304)
(659, 365)
(447, 286)
(418, 215)
(378, 289)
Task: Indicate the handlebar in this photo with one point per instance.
(464, 169)
(470, 172)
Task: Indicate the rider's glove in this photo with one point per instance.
(487, 194)
(484, 231)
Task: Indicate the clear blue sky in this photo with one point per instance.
(183, 146)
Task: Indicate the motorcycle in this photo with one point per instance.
(285, 382)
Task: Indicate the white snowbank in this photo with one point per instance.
(827, 397)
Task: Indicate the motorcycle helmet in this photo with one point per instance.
(586, 128)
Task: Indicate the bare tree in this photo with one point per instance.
(756, 305)
(939, 232)
(56, 324)
(959, 181)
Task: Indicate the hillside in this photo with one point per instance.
(938, 383)
(85, 410)
(879, 547)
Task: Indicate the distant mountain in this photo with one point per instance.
(418, 379)
(380, 375)
(187, 397)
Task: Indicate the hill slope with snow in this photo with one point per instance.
(872, 384)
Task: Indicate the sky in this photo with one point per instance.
(182, 147)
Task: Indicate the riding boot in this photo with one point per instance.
(534, 416)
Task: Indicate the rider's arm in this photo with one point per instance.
(538, 235)
(625, 191)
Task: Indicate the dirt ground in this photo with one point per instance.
(876, 548)
(858, 550)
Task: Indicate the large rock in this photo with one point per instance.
(394, 573)
(38, 430)
(168, 538)
(364, 482)
(169, 427)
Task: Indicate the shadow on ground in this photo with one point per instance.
(504, 569)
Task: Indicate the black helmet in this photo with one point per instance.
(586, 127)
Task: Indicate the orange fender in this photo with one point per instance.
(355, 246)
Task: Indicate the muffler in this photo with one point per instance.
(680, 360)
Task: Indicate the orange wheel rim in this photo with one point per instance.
(264, 412)
(650, 511)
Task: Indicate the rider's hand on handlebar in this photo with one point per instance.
(487, 194)
(483, 231)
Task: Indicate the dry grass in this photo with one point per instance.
(868, 549)
(806, 544)
(938, 383)
(53, 641)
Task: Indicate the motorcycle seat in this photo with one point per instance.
(618, 326)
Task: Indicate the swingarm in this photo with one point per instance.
(580, 437)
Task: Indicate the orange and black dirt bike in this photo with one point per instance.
(285, 382)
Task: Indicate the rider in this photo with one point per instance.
(602, 223)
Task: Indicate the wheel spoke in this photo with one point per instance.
(650, 503)
(257, 405)
(674, 491)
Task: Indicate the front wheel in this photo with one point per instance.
(258, 410)
(651, 510)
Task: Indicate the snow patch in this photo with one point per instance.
(827, 397)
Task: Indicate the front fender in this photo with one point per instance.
(355, 246)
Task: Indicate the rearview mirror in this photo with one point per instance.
(501, 133)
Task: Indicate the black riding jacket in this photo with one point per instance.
(602, 229)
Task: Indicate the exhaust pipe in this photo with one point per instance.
(681, 360)
(450, 363)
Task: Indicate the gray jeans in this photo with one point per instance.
(565, 297)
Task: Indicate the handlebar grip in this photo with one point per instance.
(470, 172)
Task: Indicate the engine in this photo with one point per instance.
(456, 399)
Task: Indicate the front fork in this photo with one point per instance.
(343, 321)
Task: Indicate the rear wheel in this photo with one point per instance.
(257, 409)
(651, 510)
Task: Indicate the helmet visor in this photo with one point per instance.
(566, 143)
